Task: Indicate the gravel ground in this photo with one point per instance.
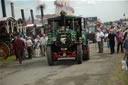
(99, 70)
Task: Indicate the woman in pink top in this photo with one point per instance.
(119, 38)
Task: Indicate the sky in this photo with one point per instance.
(106, 10)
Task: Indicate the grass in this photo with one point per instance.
(121, 75)
(10, 59)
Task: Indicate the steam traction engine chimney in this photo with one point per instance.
(22, 28)
(42, 13)
(31, 11)
(12, 9)
(3, 8)
(22, 14)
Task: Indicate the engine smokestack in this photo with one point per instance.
(12, 9)
(32, 16)
(3, 8)
(22, 14)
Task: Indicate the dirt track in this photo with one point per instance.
(97, 71)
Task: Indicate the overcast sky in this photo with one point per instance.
(106, 10)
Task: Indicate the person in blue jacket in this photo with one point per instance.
(126, 48)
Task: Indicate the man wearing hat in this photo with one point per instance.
(24, 50)
(19, 44)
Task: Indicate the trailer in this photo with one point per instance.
(91, 26)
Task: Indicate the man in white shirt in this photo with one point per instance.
(99, 37)
(43, 44)
(29, 47)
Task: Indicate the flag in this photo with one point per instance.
(29, 20)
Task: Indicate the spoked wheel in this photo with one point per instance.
(49, 56)
(79, 54)
(4, 50)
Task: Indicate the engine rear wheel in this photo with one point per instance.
(79, 54)
(49, 56)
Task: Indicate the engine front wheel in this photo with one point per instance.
(49, 56)
(79, 54)
(86, 56)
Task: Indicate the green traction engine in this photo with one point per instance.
(67, 39)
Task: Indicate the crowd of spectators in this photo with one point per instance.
(29, 47)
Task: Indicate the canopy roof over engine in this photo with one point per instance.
(66, 17)
(7, 19)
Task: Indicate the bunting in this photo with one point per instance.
(63, 4)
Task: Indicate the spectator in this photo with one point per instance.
(43, 44)
(126, 49)
(24, 50)
(100, 36)
(14, 47)
(112, 38)
(29, 48)
(19, 46)
(106, 36)
(125, 31)
(37, 44)
(119, 38)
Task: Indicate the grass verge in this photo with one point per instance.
(121, 75)
(8, 60)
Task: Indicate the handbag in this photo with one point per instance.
(124, 65)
